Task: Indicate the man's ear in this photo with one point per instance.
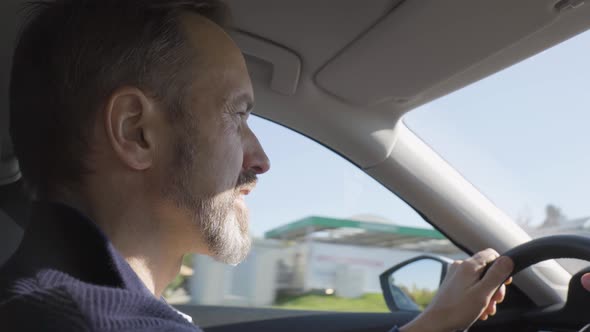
(127, 117)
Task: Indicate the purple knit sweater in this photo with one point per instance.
(67, 276)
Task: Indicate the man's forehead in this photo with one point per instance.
(208, 39)
(220, 61)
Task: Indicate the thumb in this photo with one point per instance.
(496, 274)
(586, 281)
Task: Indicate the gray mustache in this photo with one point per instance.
(246, 179)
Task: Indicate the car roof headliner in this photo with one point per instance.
(343, 71)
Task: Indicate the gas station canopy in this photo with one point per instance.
(363, 233)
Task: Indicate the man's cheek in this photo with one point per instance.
(234, 159)
(228, 173)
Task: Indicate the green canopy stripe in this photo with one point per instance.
(321, 223)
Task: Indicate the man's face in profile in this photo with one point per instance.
(214, 157)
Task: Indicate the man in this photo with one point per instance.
(129, 118)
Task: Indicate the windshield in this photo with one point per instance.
(522, 137)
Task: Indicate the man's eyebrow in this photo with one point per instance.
(244, 98)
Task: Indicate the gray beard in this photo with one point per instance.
(222, 224)
(224, 228)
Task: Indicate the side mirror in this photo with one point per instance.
(411, 285)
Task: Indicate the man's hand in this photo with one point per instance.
(464, 296)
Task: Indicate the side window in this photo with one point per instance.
(323, 231)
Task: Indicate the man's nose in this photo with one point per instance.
(255, 158)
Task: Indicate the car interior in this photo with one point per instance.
(343, 73)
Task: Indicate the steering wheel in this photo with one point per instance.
(553, 247)
(550, 247)
(570, 314)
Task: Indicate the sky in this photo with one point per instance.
(522, 136)
(306, 179)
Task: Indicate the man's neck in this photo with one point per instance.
(155, 274)
(135, 233)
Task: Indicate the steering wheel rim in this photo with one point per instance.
(554, 247)
(549, 247)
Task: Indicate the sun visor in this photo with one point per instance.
(422, 43)
(286, 65)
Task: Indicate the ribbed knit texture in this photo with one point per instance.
(46, 287)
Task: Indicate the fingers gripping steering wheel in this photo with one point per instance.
(554, 247)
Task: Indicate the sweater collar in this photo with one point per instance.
(61, 237)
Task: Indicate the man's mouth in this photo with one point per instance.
(246, 190)
(246, 183)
